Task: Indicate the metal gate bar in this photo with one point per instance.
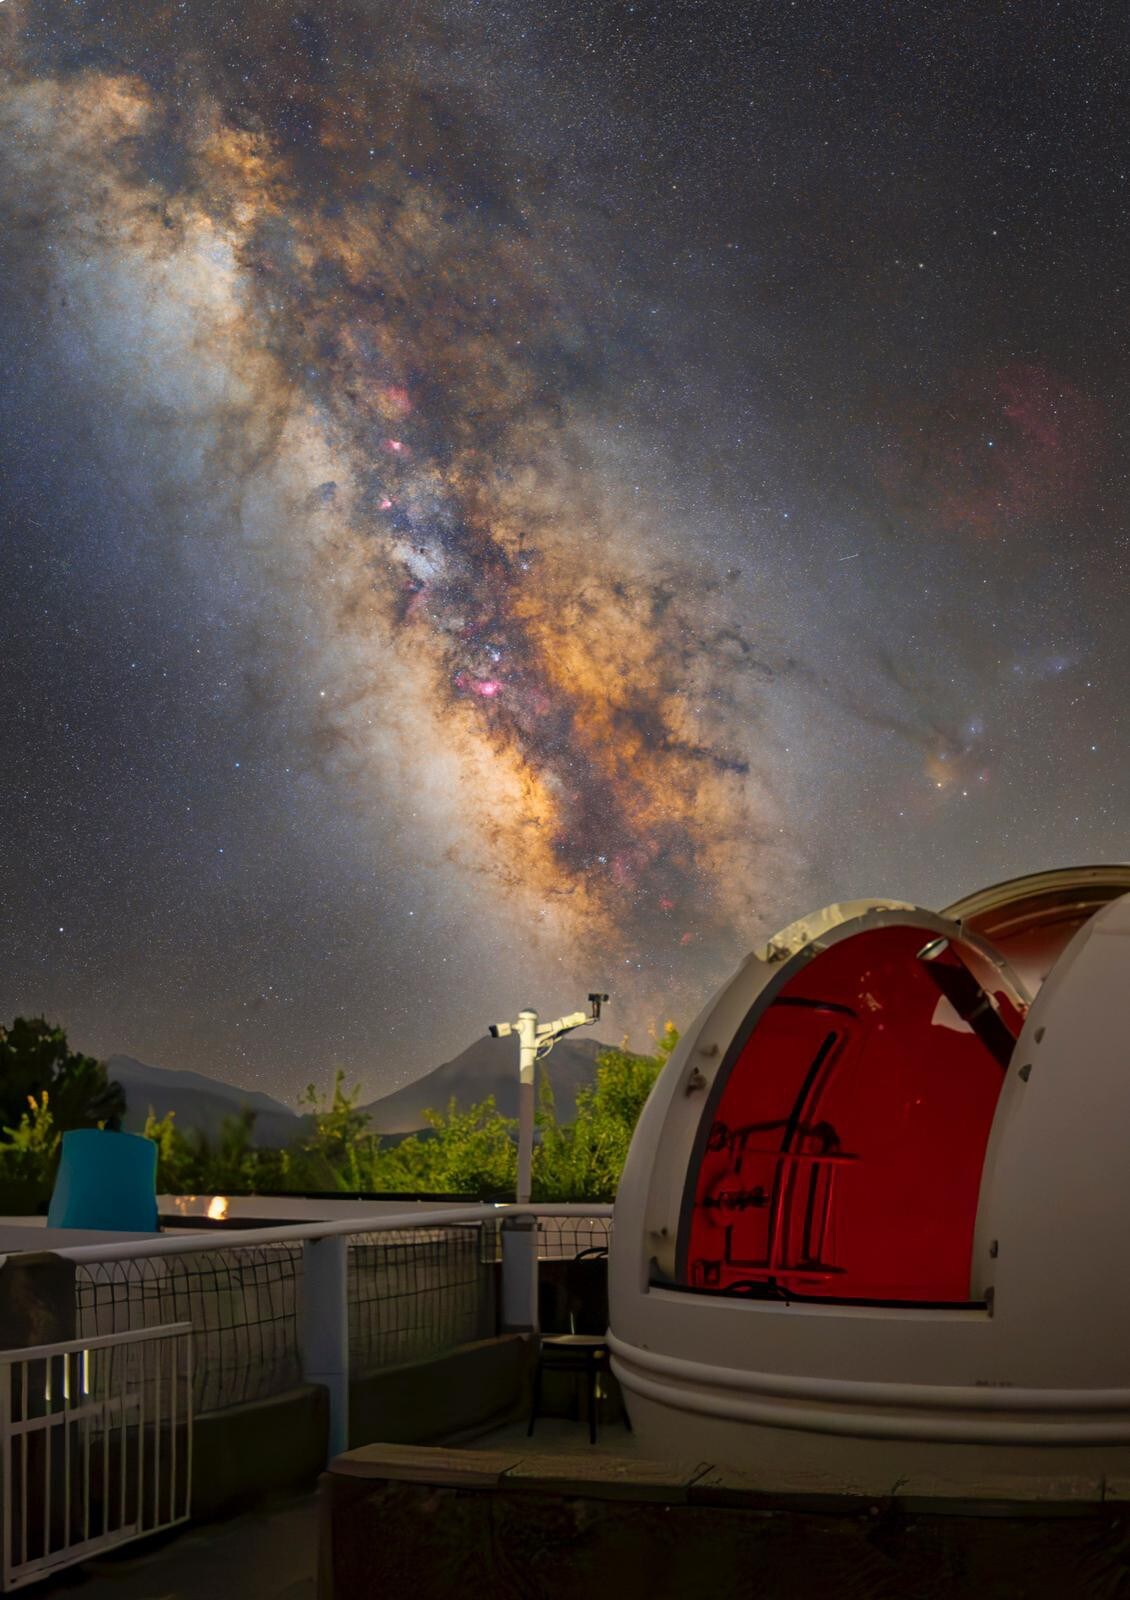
(95, 1446)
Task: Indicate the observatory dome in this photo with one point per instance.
(875, 1220)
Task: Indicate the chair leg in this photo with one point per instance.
(624, 1417)
(536, 1400)
(592, 1402)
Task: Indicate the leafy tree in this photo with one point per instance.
(339, 1151)
(36, 1136)
(229, 1165)
(475, 1150)
(583, 1160)
(28, 1157)
(36, 1058)
(178, 1166)
(469, 1151)
(463, 1152)
(192, 1163)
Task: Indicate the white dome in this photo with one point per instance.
(874, 1220)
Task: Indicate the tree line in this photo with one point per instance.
(46, 1089)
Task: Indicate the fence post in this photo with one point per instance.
(520, 1273)
(325, 1328)
(37, 1300)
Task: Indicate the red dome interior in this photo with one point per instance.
(842, 1158)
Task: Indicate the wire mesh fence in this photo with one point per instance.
(412, 1293)
(416, 1294)
(560, 1237)
(242, 1303)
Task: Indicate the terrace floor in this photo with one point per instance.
(558, 1436)
(269, 1553)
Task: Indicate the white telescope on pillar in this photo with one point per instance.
(535, 1040)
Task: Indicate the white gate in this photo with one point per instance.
(95, 1446)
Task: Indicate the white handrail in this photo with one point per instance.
(99, 1341)
(398, 1222)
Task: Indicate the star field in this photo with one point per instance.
(503, 500)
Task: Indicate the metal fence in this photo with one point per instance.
(412, 1292)
(416, 1293)
(96, 1433)
(242, 1304)
(567, 1237)
(95, 1447)
(561, 1238)
(328, 1302)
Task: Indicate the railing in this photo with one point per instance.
(95, 1447)
(329, 1301)
(413, 1293)
(563, 1237)
(242, 1305)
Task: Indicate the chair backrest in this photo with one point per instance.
(586, 1288)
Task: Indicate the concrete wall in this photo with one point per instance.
(442, 1397)
(245, 1452)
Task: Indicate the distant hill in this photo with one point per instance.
(489, 1066)
(200, 1102)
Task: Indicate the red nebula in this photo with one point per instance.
(396, 399)
(1005, 449)
(486, 687)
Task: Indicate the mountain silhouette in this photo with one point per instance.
(486, 1067)
(200, 1102)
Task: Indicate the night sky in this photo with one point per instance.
(499, 500)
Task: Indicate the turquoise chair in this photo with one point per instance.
(106, 1180)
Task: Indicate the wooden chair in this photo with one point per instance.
(580, 1344)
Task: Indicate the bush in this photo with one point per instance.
(468, 1152)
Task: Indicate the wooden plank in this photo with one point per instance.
(602, 1477)
(412, 1463)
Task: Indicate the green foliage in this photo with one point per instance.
(583, 1160)
(35, 1137)
(339, 1151)
(35, 1058)
(466, 1152)
(176, 1161)
(46, 1088)
(473, 1152)
(192, 1163)
(28, 1157)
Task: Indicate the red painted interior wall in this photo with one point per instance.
(845, 1153)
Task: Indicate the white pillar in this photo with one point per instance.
(325, 1329)
(527, 1058)
(520, 1273)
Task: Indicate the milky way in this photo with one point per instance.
(419, 328)
(389, 361)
